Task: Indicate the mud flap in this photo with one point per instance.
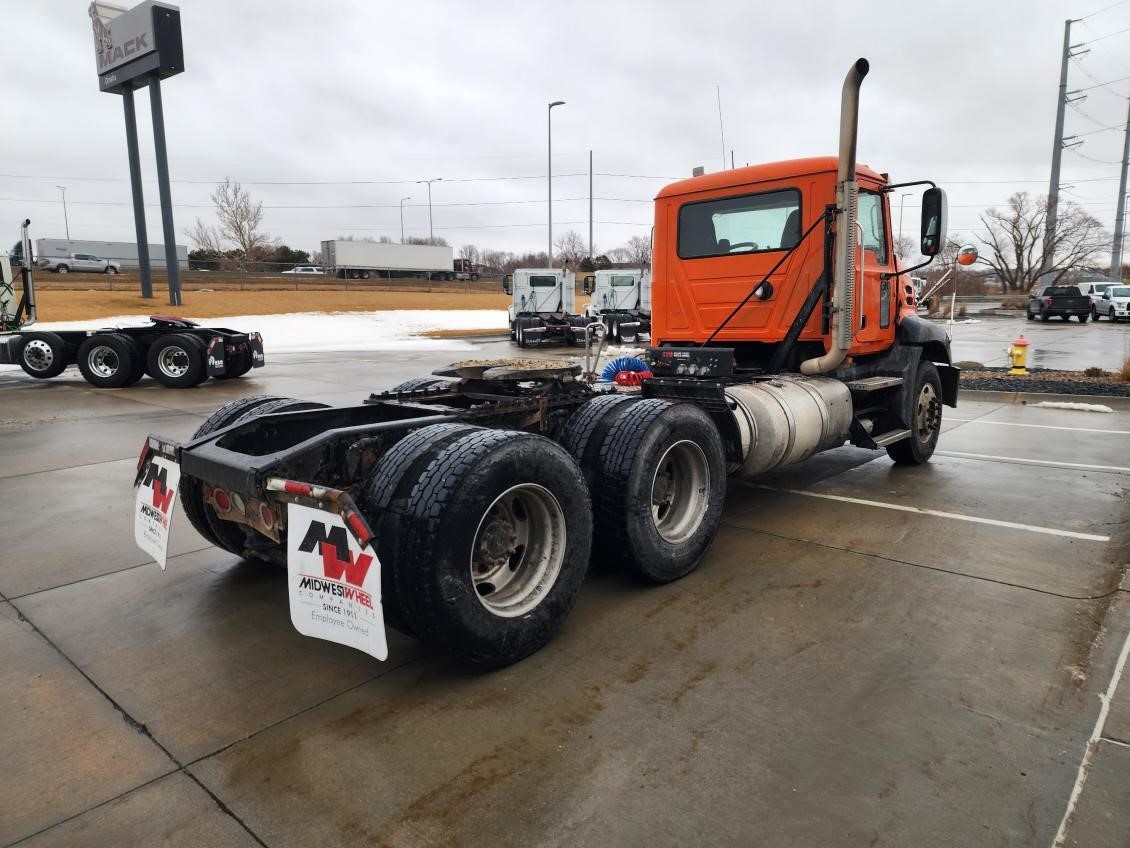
(217, 357)
(255, 340)
(156, 485)
(333, 581)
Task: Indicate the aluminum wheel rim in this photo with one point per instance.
(38, 355)
(173, 361)
(518, 550)
(679, 491)
(103, 361)
(928, 414)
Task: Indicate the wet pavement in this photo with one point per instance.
(1057, 344)
(869, 655)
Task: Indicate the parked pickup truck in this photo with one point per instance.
(79, 262)
(1114, 303)
(1063, 301)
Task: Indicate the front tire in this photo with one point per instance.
(1094, 314)
(62, 269)
(111, 270)
(661, 486)
(926, 419)
(496, 541)
(42, 355)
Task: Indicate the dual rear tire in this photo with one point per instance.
(484, 538)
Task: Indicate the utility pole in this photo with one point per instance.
(402, 218)
(549, 176)
(590, 205)
(1119, 223)
(428, 183)
(721, 130)
(1057, 149)
(66, 221)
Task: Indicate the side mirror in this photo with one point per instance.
(934, 214)
(506, 281)
(589, 284)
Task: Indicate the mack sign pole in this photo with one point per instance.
(134, 48)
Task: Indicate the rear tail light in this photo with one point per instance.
(221, 499)
(1049, 300)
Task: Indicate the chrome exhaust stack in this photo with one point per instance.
(845, 272)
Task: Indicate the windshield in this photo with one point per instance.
(746, 224)
(1120, 291)
(543, 282)
(623, 280)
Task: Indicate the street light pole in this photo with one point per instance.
(402, 218)
(549, 175)
(66, 223)
(902, 200)
(428, 183)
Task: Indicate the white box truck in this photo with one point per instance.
(360, 260)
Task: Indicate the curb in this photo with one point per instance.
(1036, 397)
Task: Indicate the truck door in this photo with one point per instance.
(875, 327)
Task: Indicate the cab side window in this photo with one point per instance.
(874, 228)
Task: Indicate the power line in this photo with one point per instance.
(1103, 37)
(1103, 9)
(336, 205)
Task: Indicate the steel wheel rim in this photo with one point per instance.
(173, 361)
(679, 491)
(518, 550)
(103, 361)
(38, 355)
(928, 413)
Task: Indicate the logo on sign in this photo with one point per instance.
(157, 479)
(337, 559)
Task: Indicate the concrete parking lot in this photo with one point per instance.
(1056, 344)
(870, 655)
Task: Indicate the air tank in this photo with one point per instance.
(783, 420)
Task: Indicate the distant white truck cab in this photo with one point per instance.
(542, 306)
(621, 299)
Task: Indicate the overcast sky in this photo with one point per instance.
(340, 106)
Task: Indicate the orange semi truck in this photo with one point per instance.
(464, 507)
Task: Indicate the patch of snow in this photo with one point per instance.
(316, 331)
(1079, 407)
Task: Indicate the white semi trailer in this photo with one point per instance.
(360, 260)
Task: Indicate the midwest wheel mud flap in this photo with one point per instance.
(333, 574)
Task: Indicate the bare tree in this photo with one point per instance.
(438, 241)
(470, 253)
(639, 251)
(570, 247)
(206, 238)
(239, 217)
(620, 255)
(1015, 241)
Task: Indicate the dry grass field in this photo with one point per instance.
(55, 305)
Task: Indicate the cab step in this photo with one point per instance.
(890, 437)
(874, 384)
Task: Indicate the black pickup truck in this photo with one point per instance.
(1063, 301)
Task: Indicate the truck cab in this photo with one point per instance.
(716, 234)
(541, 305)
(621, 300)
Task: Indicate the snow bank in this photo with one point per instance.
(321, 331)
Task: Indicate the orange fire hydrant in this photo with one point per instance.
(1018, 356)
